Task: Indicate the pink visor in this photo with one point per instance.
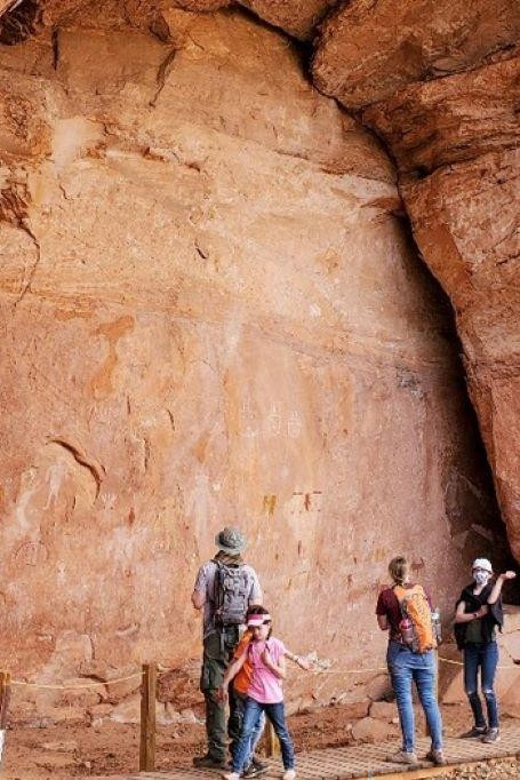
(258, 620)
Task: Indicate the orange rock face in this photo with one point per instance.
(212, 312)
(369, 51)
(298, 18)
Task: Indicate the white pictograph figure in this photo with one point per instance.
(249, 429)
(198, 504)
(273, 422)
(294, 425)
(54, 478)
(108, 500)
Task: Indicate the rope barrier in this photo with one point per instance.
(135, 675)
(72, 687)
(78, 686)
(385, 669)
(460, 663)
(349, 671)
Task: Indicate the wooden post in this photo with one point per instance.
(147, 744)
(5, 695)
(271, 743)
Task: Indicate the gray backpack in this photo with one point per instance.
(231, 598)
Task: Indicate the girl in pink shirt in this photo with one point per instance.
(266, 654)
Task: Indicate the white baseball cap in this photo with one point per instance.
(482, 563)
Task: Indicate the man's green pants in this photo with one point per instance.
(217, 655)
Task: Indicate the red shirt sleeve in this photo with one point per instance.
(381, 608)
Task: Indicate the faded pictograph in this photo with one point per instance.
(274, 424)
(54, 477)
(294, 425)
(249, 424)
(108, 500)
(29, 487)
(198, 502)
(309, 502)
(269, 505)
(31, 553)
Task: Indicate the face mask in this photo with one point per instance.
(481, 577)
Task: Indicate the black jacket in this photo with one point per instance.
(494, 617)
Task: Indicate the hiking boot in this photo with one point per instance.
(403, 757)
(474, 733)
(255, 768)
(253, 771)
(289, 774)
(259, 765)
(436, 756)
(209, 762)
(492, 735)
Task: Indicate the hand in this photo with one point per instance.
(508, 575)
(222, 693)
(481, 612)
(303, 663)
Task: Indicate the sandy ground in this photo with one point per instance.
(68, 751)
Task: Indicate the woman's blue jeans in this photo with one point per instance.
(252, 713)
(483, 656)
(406, 667)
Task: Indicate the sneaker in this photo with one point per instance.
(436, 756)
(230, 775)
(259, 765)
(492, 735)
(474, 733)
(403, 757)
(289, 774)
(209, 762)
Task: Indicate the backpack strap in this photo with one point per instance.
(216, 582)
(218, 591)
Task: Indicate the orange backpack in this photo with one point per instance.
(415, 608)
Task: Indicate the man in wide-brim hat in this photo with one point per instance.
(224, 588)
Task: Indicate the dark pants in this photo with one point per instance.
(218, 651)
(483, 656)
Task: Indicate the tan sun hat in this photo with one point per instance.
(231, 540)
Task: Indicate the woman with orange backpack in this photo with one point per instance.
(404, 611)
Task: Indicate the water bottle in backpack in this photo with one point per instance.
(407, 632)
(436, 625)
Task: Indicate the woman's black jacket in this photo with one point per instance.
(494, 617)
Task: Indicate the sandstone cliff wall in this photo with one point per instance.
(212, 312)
